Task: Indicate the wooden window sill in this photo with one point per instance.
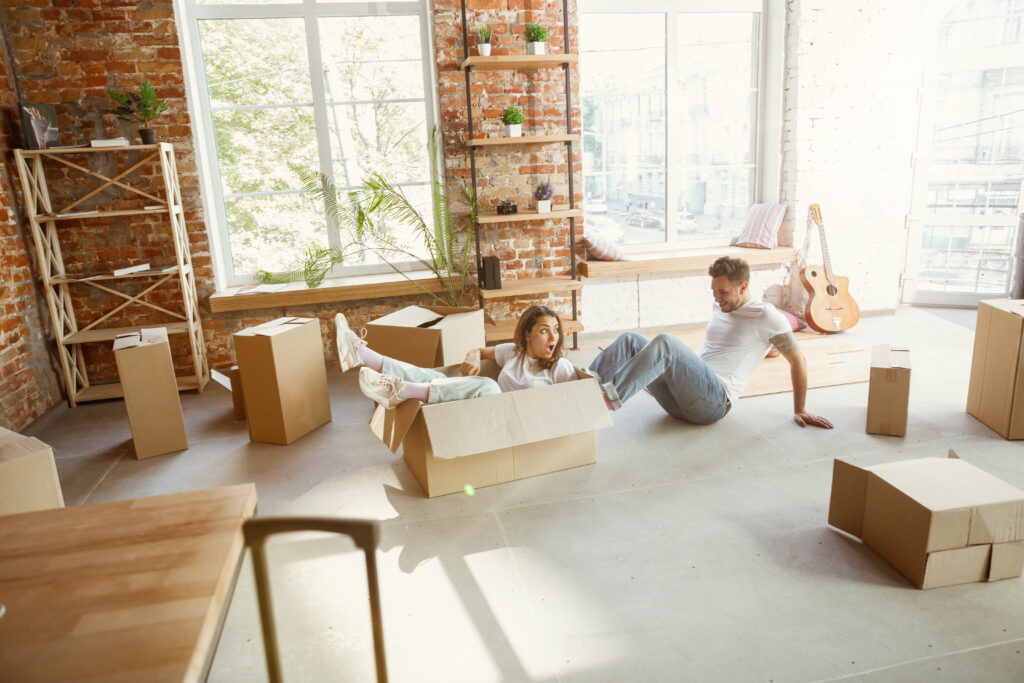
(693, 260)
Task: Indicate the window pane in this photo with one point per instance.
(979, 117)
(265, 149)
(982, 23)
(714, 122)
(966, 258)
(271, 232)
(623, 88)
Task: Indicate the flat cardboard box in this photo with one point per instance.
(28, 475)
(428, 336)
(939, 521)
(493, 439)
(996, 393)
(889, 392)
(281, 364)
(150, 392)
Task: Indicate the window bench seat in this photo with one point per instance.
(339, 289)
(696, 260)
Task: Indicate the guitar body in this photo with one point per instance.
(829, 309)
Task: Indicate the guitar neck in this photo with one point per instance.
(826, 261)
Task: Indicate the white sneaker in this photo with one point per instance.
(381, 388)
(348, 343)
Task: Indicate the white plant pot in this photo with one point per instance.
(514, 130)
(484, 49)
(535, 48)
(543, 206)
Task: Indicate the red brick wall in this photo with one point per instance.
(28, 381)
(68, 54)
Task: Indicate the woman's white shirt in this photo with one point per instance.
(519, 371)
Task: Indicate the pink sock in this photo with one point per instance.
(417, 390)
(370, 358)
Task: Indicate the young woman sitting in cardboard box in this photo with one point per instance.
(533, 359)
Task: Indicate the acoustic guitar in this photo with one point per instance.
(830, 307)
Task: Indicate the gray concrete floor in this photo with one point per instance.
(685, 553)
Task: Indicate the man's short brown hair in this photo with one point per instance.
(736, 269)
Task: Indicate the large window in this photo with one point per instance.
(290, 88)
(671, 105)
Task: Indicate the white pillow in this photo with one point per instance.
(762, 226)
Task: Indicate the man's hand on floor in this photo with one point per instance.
(803, 418)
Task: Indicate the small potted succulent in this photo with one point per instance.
(512, 117)
(536, 36)
(141, 107)
(483, 38)
(543, 196)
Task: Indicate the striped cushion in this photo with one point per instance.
(600, 248)
(762, 226)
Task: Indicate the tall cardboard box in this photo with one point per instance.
(889, 392)
(996, 393)
(281, 364)
(28, 475)
(428, 336)
(493, 439)
(150, 392)
(939, 521)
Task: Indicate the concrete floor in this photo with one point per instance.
(685, 553)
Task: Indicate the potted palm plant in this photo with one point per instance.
(536, 37)
(141, 107)
(512, 117)
(543, 195)
(483, 38)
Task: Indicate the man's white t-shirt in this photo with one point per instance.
(735, 342)
(519, 371)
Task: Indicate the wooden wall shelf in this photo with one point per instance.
(513, 62)
(523, 140)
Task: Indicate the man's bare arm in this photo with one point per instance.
(787, 346)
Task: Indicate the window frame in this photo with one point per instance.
(768, 124)
(188, 14)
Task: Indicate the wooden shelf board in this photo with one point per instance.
(691, 261)
(485, 218)
(105, 214)
(504, 330)
(523, 140)
(100, 392)
(537, 285)
(87, 150)
(110, 333)
(505, 62)
(67, 279)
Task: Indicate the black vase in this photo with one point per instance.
(148, 136)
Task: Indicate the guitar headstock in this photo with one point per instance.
(816, 214)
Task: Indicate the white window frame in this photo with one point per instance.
(768, 122)
(188, 14)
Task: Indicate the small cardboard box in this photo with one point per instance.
(28, 475)
(939, 521)
(150, 392)
(428, 336)
(493, 439)
(889, 393)
(996, 393)
(281, 364)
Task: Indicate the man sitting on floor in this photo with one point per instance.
(701, 387)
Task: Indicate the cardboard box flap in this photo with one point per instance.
(453, 319)
(127, 341)
(282, 326)
(489, 423)
(410, 316)
(14, 445)
(1015, 306)
(886, 356)
(391, 426)
(947, 483)
(846, 506)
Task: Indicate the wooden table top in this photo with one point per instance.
(132, 590)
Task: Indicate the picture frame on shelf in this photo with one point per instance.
(36, 134)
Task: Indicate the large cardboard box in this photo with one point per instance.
(493, 439)
(281, 364)
(996, 393)
(889, 392)
(428, 336)
(939, 521)
(150, 392)
(28, 475)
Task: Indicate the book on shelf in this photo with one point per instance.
(131, 269)
(71, 214)
(154, 207)
(111, 142)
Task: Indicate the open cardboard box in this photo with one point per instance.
(493, 439)
(28, 475)
(939, 521)
(428, 336)
(889, 392)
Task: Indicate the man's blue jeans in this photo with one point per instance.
(678, 379)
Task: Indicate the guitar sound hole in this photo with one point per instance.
(814, 273)
(831, 290)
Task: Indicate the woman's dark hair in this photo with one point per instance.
(526, 323)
